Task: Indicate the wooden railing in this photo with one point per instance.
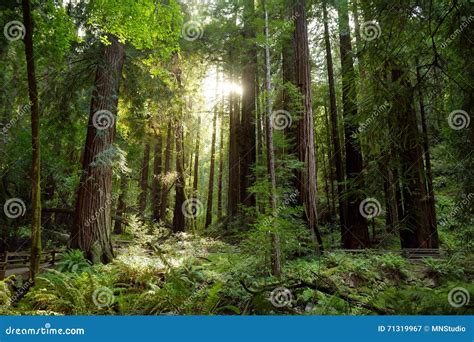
(9, 260)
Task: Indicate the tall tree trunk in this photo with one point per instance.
(166, 187)
(247, 126)
(156, 180)
(210, 188)
(178, 214)
(144, 180)
(327, 166)
(429, 174)
(196, 159)
(121, 204)
(415, 231)
(276, 249)
(92, 222)
(221, 163)
(233, 194)
(337, 153)
(305, 135)
(35, 141)
(354, 232)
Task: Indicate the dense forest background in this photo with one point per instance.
(236, 157)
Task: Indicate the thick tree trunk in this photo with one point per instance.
(305, 135)
(337, 152)
(166, 187)
(247, 124)
(210, 188)
(429, 175)
(92, 223)
(35, 141)
(354, 231)
(121, 204)
(156, 180)
(416, 230)
(144, 180)
(276, 249)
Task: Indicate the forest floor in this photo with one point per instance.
(188, 274)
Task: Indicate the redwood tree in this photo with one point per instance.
(92, 222)
(35, 140)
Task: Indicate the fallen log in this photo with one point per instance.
(299, 283)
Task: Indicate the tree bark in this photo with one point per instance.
(144, 180)
(156, 181)
(354, 231)
(92, 223)
(221, 163)
(35, 141)
(305, 135)
(196, 159)
(247, 124)
(233, 194)
(165, 187)
(210, 188)
(429, 175)
(178, 214)
(337, 152)
(416, 230)
(121, 204)
(276, 249)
